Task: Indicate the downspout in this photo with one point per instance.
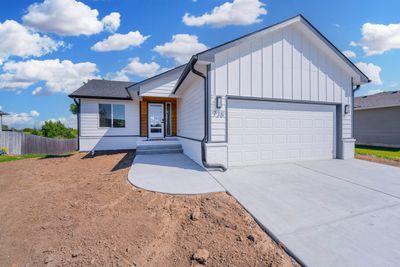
(78, 118)
(352, 105)
(206, 118)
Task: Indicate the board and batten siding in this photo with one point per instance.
(284, 64)
(94, 137)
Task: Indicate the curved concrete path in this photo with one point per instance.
(172, 174)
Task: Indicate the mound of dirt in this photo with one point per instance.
(80, 210)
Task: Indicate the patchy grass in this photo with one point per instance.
(7, 158)
(380, 152)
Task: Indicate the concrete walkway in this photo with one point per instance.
(172, 174)
(328, 213)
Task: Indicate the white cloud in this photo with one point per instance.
(374, 91)
(68, 122)
(21, 120)
(68, 17)
(181, 48)
(17, 40)
(379, 38)
(58, 76)
(349, 54)
(371, 70)
(117, 42)
(238, 12)
(137, 68)
(111, 22)
(1, 108)
(34, 113)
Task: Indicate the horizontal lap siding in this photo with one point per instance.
(283, 64)
(191, 110)
(161, 87)
(89, 118)
(379, 126)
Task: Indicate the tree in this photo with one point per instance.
(5, 127)
(56, 129)
(73, 108)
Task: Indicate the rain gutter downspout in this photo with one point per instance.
(206, 119)
(78, 118)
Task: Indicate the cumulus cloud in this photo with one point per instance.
(117, 42)
(111, 22)
(371, 70)
(68, 17)
(137, 68)
(379, 38)
(238, 12)
(181, 47)
(21, 120)
(349, 54)
(58, 76)
(374, 91)
(17, 40)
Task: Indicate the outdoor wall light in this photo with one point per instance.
(346, 109)
(218, 102)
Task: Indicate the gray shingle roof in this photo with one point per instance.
(384, 99)
(103, 89)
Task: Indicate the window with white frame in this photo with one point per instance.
(112, 115)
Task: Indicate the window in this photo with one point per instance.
(105, 115)
(112, 115)
(118, 116)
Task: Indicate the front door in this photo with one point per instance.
(156, 120)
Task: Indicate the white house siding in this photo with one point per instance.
(161, 87)
(283, 64)
(94, 137)
(190, 116)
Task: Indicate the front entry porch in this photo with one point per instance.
(158, 117)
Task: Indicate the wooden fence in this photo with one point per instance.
(20, 143)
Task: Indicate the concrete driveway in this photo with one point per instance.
(328, 213)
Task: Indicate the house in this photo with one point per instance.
(283, 93)
(377, 119)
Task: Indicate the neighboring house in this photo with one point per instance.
(283, 93)
(377, 119)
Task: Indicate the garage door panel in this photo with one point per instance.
(266, 132)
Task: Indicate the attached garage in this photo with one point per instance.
(262, 132)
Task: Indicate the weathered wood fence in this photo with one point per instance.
(20, 143)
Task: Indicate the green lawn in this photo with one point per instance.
(6, 158)
(380, 152)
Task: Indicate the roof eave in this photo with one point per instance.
(100, 97)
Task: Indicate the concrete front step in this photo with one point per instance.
(163, 151)
(150, 147)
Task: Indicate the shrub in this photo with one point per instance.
(3, 151)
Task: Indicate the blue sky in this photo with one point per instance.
(47, 48)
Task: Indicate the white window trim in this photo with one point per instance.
(112, 115)
(170, 118)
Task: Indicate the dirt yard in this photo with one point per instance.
(78, 210)
(395, 163)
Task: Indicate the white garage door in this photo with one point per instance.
(262, 132)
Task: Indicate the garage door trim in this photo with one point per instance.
(337, 113)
